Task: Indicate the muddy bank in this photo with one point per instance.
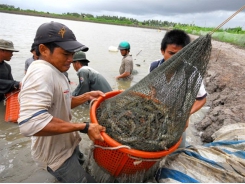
(224, 82)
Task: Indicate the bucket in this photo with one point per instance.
(12, 107)
(119, 159)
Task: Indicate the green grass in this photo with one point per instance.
(234, 36)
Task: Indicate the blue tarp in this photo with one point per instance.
(221, 161)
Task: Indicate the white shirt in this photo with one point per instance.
(46, 94)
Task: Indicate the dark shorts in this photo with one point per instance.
(72, 170)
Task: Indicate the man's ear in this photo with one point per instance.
(44, 51)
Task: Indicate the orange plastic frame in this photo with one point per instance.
(111, 142)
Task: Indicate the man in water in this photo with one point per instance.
(7, 83)
(46, 102)
(125, 78)
(31, 59)
(89, 79)
(126, 67)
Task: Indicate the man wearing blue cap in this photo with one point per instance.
(46, 102)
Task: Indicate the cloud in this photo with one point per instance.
(166, 7)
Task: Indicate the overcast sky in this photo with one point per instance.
(205, 13)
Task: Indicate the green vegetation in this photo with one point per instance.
(90, 18)
(234, 36)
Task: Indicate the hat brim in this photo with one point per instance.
(72, 46)
(13, 50)
(82, 60)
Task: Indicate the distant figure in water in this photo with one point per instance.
(126, 67)
(89, 79)
(7, 82)
(31, 59)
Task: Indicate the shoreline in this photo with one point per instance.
(60, 16)
(77, 19)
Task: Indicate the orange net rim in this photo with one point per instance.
(112, 143)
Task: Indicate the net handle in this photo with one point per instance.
(233, 15)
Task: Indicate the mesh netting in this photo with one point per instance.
(152, 114)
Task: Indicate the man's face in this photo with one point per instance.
(6, 54)
(60, 58)
(75, 65)
(170, 51)
(124, 52)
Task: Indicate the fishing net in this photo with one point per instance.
(152, 114)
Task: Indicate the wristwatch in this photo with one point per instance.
(85, 130)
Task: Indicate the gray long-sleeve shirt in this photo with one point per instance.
(89, 80)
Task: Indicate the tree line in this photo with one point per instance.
(118, 20)
(90, 17)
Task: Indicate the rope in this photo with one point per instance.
(144, 159)
(227, 20)
(138, 160)
(91, 103)
(112, 148)
(12, 94)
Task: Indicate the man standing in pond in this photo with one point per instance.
(46, 102)
(31, 59)
(7, 83)
(126, 67)
(125, 78)
(89, 79)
